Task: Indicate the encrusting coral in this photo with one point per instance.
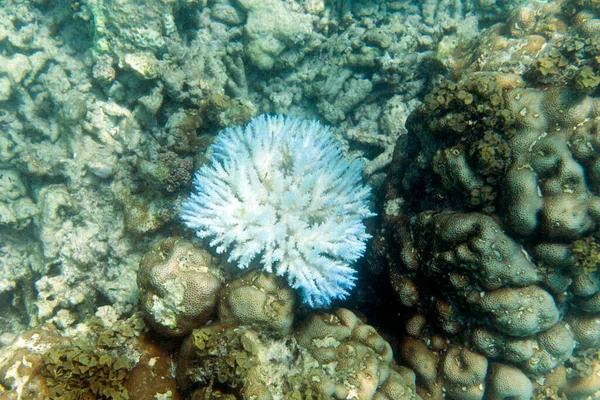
(281, 191)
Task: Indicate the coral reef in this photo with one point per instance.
(490, 231)
(106, 106)
(280, 190)
(56, 159)
(252, 348)
(331, 355)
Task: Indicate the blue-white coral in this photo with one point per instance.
(280, 192)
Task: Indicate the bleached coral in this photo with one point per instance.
(280, 190)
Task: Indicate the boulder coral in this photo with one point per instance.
(329, 355)
(178, 286)
(491, 230)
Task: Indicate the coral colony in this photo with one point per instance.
(280, 192)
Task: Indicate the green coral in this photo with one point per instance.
(218, 358)
(94, 366)
(226, 355)
(548, 393)
(587, 80)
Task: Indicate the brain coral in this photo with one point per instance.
(178, 285)
(281, 191)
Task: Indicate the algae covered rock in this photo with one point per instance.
(105, 357)
(17, 210)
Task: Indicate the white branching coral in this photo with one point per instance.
(280, 193)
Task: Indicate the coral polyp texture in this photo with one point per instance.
(178, 285)
(492, 220)
(254, 350)
(280, 193)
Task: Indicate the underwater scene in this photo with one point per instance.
(300, 199)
